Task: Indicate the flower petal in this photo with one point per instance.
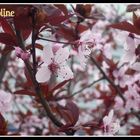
(65, 73)
(48, 53)
(108, 119)
(115, 73)
(61, 55)
(110, 115)
(130, 44)
(136, 66)
(43, 74)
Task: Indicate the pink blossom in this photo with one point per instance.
(5, 101)
(129, 54)
(105, 49)
(21, 54)
(136, 66)
(120, 77)
(111, 126)
(56, 47)
(132, 98)
(83, 53)
(18, 51)
(54, 63)
(86, 42)
(118, 103)
(130, 49)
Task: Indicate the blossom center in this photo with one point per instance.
(119, 78)
(53, 67)
(132, 98)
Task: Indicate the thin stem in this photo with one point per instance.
(88, 86)
(33, 42)
(107, 78)
(46, 39)
(79, 91)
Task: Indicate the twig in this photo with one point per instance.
(33, 41)
(46, 39)
(107, 78)
(88, 86)
(79, 91)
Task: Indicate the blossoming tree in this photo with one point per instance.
(70, 70)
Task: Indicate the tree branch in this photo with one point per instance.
(79, 91)
(38, 90)
(66, 43)
(36, 85)
(33, 41)
(107, 78)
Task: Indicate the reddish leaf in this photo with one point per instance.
(72, 107)
(83, 10)
(51, 10)
(3, 125)
(7, 50)
(59, 85)
(22, 20)
(67, 117)
(7, 39)
(45, 91)
(6, 27)
(70, 113)
(82, 28)
(36, 46)
(136, 21)
(135, 130)
(132, 7)
(125, 26)
(56, 20)
(62, 7)
(91, 124)
(55, 16)
(67, 33)
(25, 92)
(26, 33)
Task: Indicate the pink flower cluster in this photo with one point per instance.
(21, 54)
(111, 125)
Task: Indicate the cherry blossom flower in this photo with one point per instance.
(84, 47)
(21, 54)
(129, 54)
(118, 103)
(54, 63)
(130, 49)
(5, 101)
(120, 77)
(105, 48)
(111, 126)
(83, 52)
(136, 66)
(87, 41)
(132, 98)
(56, 47)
